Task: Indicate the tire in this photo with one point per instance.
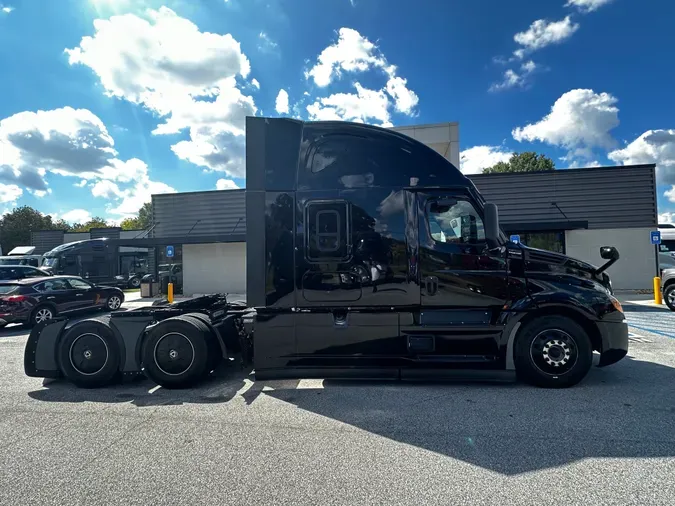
(41, 313)
(552, 352)
(114, 302)
(88, 354)
(176, 352)
(669, 296)
(135, 282)
(215, 352)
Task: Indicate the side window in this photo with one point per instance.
(454, 221)
(328, 232)
(51, 286)
(78, 284)
(32, 273)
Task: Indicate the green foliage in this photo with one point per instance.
(145, 216)
(131, 224)
(95, 222)
(16, 227)
(529, 161)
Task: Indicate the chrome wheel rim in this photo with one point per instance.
(174, 354)
(554, 352)
(88, 354)
(114, 302)
(43, 315)
(671, 297)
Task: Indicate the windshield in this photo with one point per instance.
(667, 246)
(50, 261)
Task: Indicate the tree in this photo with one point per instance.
(145, 216)
(131, 224)
(16, 227)
(528, 161)
(95, 222)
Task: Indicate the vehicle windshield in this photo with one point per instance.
(667, 246)
(50, 261)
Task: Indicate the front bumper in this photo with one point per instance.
(6, 319)
(614, 336)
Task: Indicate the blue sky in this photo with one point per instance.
(105, 102)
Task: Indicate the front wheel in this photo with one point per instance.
(553, 352)
(669, 296)
(134, 282)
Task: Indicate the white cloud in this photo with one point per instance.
(670, 194)
(363, 106)
(579, 121)
(40, 193)
(77, 216)
(226, 184)
(81, 184)
(66, 141)
(6, 9)
(512, 78)
(351, 53)
(266, 45)
(405, 100)
(667, 217)
(165, 63)
(9, 193)
(282, 102)
(106, 189)
(354, 53)
(542, 33)
(255, 83)
(477, 158)
(653, 146)
(587, 5)
(134, 198)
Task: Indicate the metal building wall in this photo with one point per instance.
(45, 240)
(606, 197)
(199, 213)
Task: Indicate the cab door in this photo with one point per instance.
(463, 284)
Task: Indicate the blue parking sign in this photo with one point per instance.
(169, 251)
(515, 238)
(656, 236)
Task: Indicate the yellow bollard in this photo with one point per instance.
(169, 295)
(658, 299)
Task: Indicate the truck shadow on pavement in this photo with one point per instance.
(220, 387)
(624, 411)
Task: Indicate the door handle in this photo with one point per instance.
(79, 294)
(51, 297)
(431, 285)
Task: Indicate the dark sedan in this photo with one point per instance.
(34, 300)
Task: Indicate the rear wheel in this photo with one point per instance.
(41, 314)
(553, 352)
(88, 354)
(175, 353)
(669, 296)
(135, 282)
(215, 353)
(114, 302)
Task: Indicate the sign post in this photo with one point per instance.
(169, 251)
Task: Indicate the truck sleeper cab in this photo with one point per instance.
(369, 255)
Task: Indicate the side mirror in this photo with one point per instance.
(609, 253)
(491, 225)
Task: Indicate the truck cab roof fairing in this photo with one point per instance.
(340, 155)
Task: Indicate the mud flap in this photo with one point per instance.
(39, 359)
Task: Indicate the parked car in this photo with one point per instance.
(35, 300)
(12, 272)
(668, 284)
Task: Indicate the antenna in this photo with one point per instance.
(193, 226)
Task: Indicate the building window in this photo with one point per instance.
(454, 221)
(328, 231)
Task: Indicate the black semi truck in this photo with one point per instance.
(369, 255)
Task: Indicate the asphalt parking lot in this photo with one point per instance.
(610, 440)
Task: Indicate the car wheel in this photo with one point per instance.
(114, 302)
(176, 352)
(135, 282)
(552, 352)
(88, 354)
(669, 296)
(41, 314)
(215, 354)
